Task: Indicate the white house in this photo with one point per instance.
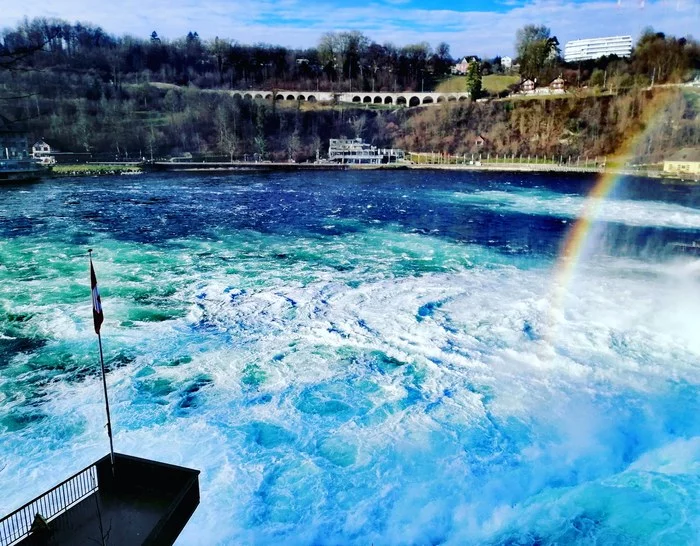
(506, 62)
(41, 152)
(40, 149)
(528, 86)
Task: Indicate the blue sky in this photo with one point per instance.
(484, 28)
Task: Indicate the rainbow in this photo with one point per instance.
(575, 241)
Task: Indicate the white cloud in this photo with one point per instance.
(299, 24)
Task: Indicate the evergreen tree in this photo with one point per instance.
(474, 80)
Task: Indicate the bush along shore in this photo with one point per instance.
(96, 169)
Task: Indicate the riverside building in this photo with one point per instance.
(356, 151)
(593, 48)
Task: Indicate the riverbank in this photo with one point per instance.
(105, 169)
(474, 167)
(278, 166)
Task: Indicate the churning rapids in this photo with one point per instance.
(363, 357)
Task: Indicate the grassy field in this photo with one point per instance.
(493, 83)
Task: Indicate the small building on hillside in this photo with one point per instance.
(506, 63)
(557, 85)
(527, 86)
(478, 144)
(684, 162)
(462, 66)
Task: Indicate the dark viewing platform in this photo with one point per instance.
(144, 503)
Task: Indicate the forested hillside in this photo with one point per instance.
(145, 121)
(84, 90)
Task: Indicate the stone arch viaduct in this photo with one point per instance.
(405, 98)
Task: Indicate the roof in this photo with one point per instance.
(686, 154)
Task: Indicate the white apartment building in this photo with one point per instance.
(593, 48)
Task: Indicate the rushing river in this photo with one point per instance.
(363, 357)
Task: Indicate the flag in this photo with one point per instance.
(97, 315)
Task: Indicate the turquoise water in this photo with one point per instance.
(358, 358)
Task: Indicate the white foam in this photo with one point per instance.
(482, 407)
(624, 211)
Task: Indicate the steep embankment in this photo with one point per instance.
(148, 121)
(568, 126)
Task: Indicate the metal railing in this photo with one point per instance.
(18, 525)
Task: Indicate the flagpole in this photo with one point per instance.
(97, 307)
(109, 420)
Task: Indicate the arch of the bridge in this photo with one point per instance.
(290, 97)
(364, 98)
(410, 100)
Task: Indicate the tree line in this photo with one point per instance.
(656, 59)
(340, 61)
